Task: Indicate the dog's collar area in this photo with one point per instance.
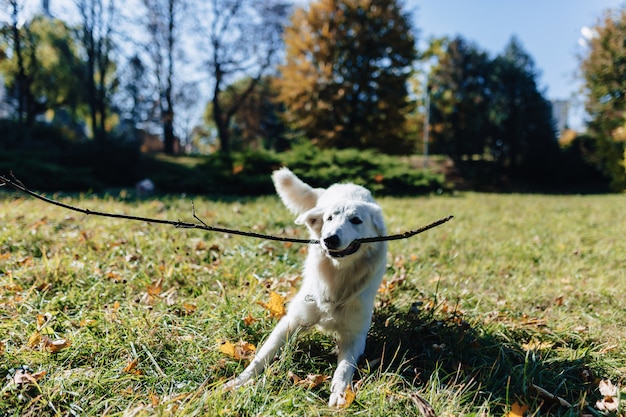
(353, 247)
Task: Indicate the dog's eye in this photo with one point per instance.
(330, 218)
(356, 220)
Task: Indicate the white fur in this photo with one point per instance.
(337, 293)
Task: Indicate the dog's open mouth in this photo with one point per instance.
(353, 247)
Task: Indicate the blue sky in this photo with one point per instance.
(549, 30)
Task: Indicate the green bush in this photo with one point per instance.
(383, 174)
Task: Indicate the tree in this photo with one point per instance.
(604, 72)
(96, 39)
(344, 82)
(492, 109)
(20, 67)
(244, 40)
(40, 67)
(162, 21)
(256, 124)
(460, 89)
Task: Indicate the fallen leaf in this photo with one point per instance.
(312, 380)
(241, 350)
(350, 396)
(2, 348)
(86, 323)
(23, 375)
(535, 345)
(276, 305)
(155, 288)
(34, 340)
(189, 308)
(131, 367)
(517, 410)
(610, 392)
(249, 319)
(4, 256)
(54, 346)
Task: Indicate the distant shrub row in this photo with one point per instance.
(249, 173)
(47, 162)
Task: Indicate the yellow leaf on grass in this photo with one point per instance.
(241, 350)
(2, 347)
(249, 319)
(155, 288)
(535, 345)
(131, 367)
(34, 340)
(350, 396)
(276, 305)
(517, 410)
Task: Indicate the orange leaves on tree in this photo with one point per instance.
(238, 351)
(275, 305)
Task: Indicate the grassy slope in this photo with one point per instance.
(516, 290)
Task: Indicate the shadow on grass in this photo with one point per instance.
(497, 360)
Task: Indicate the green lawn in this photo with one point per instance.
(126, 318)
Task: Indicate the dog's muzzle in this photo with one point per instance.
(353, 247)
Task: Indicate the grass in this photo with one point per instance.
(516, 290)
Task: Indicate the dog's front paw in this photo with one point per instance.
(337, 396)
(240, 381)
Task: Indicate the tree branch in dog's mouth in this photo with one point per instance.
(353, 247)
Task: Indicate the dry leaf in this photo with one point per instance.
(517, 410)
(610, 392)
(43, 320)
(4, 256)
(249, 319)
(276, 305)
(34, 340)
(189, 308)
(54, 346)
(155, 288)
(2, 348)
(131, 367)
(350, 396)
(535, 345)
(22, 375)
(312, 380)
(86, 323)
(241, 350)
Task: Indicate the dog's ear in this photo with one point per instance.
(312, 218)
(377, 219)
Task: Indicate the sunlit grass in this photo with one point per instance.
(516, 290)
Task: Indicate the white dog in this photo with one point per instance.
(341, 276)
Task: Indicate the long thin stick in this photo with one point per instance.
(16, 184)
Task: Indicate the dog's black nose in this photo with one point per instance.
(331, 242)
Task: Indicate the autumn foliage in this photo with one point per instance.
(344, 79)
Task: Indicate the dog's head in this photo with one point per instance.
(338, 226)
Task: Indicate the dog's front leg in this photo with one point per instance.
(285, 328)
(350, 349)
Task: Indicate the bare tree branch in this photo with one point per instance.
(17, 185)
